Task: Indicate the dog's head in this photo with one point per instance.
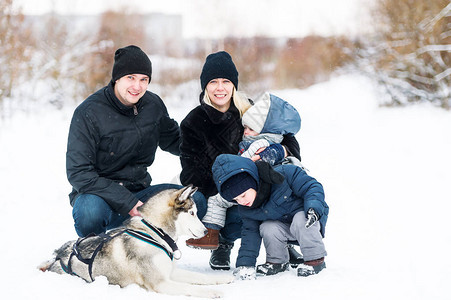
(175, 212)
(185, 210)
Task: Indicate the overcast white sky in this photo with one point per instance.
(215, 18)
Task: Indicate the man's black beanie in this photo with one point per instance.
(218, 65)
(131, 60)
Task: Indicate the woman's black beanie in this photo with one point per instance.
(218, 65)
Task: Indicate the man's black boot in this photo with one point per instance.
(220, 258)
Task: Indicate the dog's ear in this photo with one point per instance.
(187, 192)
(180, 201)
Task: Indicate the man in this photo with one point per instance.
(113, 138)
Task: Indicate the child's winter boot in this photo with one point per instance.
(271, 268)
(311, 267)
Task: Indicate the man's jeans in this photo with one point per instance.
(93, 215)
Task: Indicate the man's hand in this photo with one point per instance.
(134, 211)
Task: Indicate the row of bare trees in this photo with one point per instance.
(268, 63)
(50, 60)
(410, 51)
(69, 62)
(13, 48)
(46, 59)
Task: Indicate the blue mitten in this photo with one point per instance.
(273, 154)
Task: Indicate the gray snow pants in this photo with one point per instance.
(276, 234)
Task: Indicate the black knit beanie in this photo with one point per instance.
(236, 185)
(218, 65)
(131, 60)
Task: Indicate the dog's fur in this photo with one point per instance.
(125, 260)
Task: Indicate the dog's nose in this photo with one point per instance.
(205, 231)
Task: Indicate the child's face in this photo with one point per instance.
(247, 198)
(249, 132)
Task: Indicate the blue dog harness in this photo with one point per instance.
(142, 236)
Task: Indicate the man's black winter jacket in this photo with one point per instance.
(111, 145)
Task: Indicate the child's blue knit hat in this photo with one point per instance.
(236, 185)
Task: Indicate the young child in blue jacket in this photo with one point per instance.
(279, 205)
(265, 125)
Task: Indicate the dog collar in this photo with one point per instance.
(163, 235)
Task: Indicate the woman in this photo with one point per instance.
(213, 128)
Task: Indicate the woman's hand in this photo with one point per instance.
(256, 155)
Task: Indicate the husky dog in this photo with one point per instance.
(142, 251)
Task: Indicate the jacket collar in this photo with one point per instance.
(268, 176)
(119, 106)
(217, 117)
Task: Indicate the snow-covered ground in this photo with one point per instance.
(386, 173)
